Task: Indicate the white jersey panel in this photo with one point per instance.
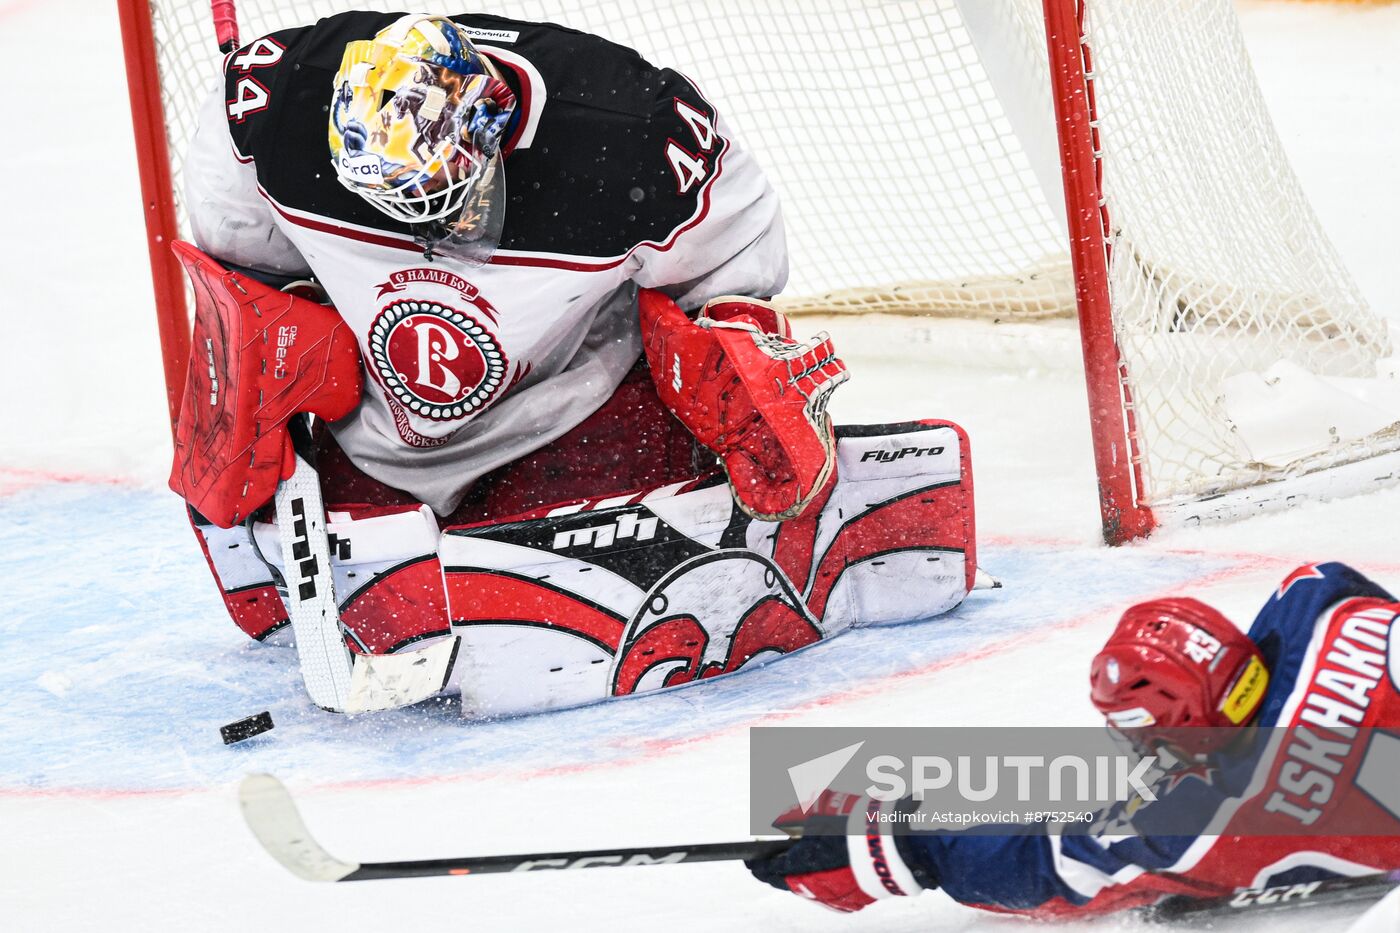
(229, 219)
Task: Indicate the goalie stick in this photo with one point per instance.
(336, 678)
(326, 661)
(273, 817)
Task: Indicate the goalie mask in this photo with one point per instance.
(415, 129)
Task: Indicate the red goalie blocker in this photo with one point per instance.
(259, 357)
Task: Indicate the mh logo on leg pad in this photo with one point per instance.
(630, 525)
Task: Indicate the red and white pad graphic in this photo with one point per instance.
(602, 599)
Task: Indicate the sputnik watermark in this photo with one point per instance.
(1090, 781)
(951, 779)
(978, 779)
(1101, 777)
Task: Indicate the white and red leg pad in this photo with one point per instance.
(386, 570)
(617, 596)
(749, 392)
(245, 582)
(258, 357)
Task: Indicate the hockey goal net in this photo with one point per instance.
(941, 158)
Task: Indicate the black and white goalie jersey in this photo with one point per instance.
(618, 174)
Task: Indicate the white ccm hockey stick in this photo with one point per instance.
(336, 678)
(273, 817)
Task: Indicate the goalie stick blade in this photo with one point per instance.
(272, 815)
(389, 681)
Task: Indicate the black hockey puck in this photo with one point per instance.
(246, 728)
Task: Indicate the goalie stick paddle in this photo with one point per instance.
(336, 678)
(1281, 897)
(273, 817)
(326, 661)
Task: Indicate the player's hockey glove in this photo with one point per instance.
(749, 392)
(845, 859)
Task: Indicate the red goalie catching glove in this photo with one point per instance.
(739, 382)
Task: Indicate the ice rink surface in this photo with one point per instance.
(117, 806)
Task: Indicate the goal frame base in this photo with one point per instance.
(1354, 478)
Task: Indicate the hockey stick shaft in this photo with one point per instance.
(335, 678)
(273, 817)
(1281, 897)
(587, 858)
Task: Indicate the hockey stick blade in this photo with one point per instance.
(1280, 897)
(273, 817)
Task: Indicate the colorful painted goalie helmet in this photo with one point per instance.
(416, 126)
(1174, 664)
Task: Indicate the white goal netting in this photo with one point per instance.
(913, 144)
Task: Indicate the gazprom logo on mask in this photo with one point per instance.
(361, 168)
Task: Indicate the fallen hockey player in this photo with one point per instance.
(1322, 655)
(557, 459)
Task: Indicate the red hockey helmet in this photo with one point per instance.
(1174, 663)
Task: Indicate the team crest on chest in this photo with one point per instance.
(437, 362)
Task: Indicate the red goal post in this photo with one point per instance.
(1122, 508)
(1026, 160)
(157, 194)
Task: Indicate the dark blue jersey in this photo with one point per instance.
(1332, 646)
